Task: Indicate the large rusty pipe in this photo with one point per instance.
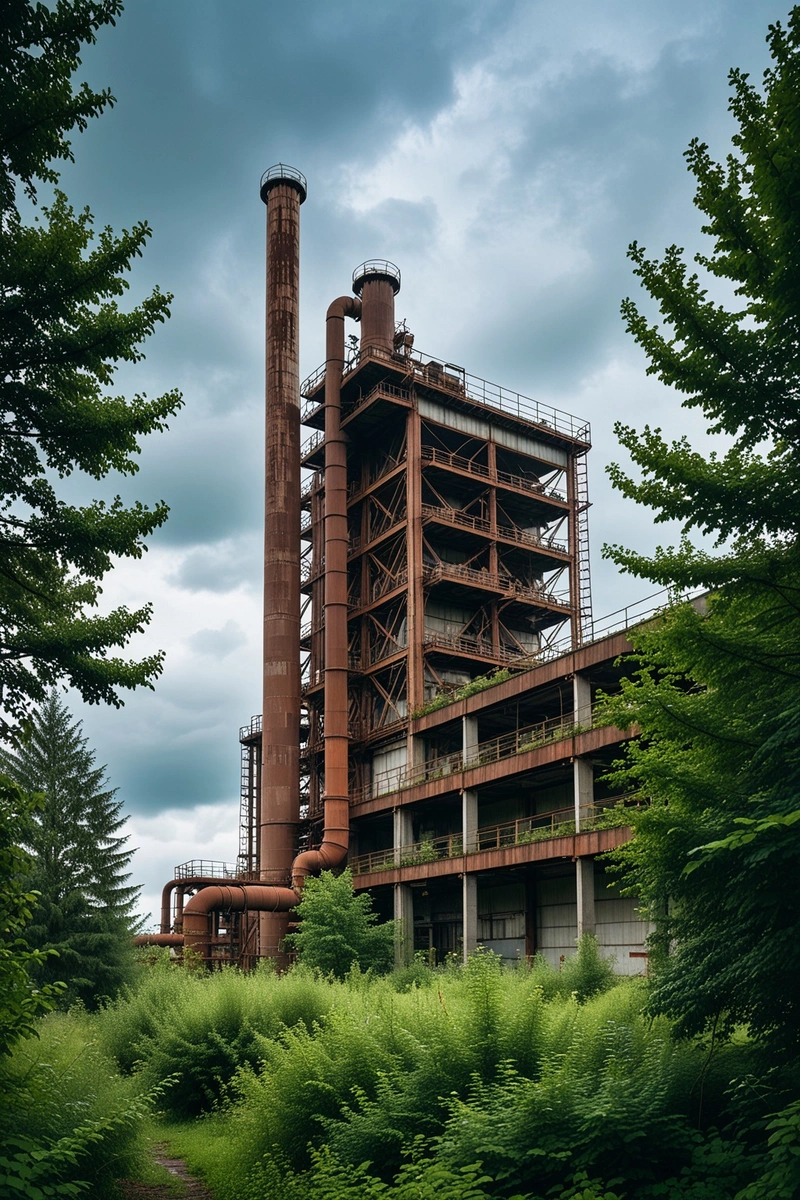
(252, 897)
(336, 831)
(169, 888)
(273, 900)
(283, 190)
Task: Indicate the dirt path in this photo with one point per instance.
(193, 1189)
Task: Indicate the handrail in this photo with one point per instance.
(253, 727)
(455, 516)
(445, 570)
(467, 645)
(312, 443)
(201, 868)
(523, 831)
(507, 745)
(429, 370)
(444, 458)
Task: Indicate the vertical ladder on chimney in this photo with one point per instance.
(584, 564)
(247, 863)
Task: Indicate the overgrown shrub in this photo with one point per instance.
(202, 1029)
(69, 1124)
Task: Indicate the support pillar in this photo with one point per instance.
(404, 924)
(582, 699)
(469, 820)
(470, 910)
(403, 832)
(469, 738)
(583, 787)
(584, 880)
(583, 774)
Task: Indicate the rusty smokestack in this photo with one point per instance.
(377, 282)
(283, 190)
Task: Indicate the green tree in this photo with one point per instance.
(85, 909)
(21, 1001)
(62, 336)
(717, 693)
(338, 928)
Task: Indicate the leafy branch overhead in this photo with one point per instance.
(63, 335)
(739, 365)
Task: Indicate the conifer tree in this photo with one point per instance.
(717, 694)
(80, 858)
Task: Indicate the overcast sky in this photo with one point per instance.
(502, 152)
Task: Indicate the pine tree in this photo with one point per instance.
(717, 694)
(80, 858)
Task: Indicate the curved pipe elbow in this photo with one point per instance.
(330, 854)
(344, 306)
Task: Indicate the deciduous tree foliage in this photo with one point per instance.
(717, 695)
(80, 859)
(62, 336)
(338, 928)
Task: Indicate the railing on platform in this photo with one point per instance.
(507, 745)
(541, 827)
(443, 458)
(427, 370)
(253, 727)
(434, 572)
(199, 868)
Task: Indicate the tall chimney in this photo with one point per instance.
(377, 282)
(283, 190)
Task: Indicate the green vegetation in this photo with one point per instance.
(478, 684)
(84, 910)
(62, 336)
(465, 1082)
(716, 856)
(462, 1082)
(21, 1002)
(338, 928)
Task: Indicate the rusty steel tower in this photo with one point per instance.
(430, 662)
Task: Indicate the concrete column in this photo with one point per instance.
(404, 927)
(469, 738)
(583, 785)
(584, 880)
(469, 819)
(417, 750)
(583, 774)
(403, 832)
(470, 902)
(582, 699)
